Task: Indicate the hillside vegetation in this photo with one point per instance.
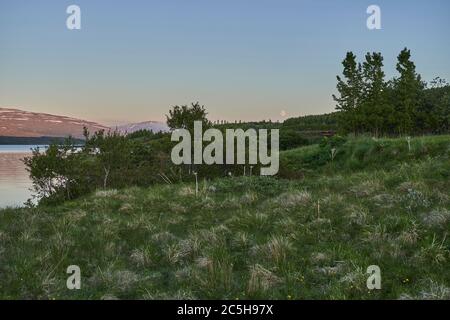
(368, 202)
(338, 154)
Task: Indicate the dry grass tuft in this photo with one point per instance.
(435, 291)
(164, 237)
(141, 258)
(261, 279)
(319, 257)
(276, 249)
(105, 193)
(438, 218)
(292, 199)
(358, 215)
(186, 191)
(183, 250)
(204, 262)
(366, 188)
(126, 208)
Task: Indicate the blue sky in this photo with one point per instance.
(246, 59)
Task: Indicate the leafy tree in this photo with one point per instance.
(404, 105)
(433, 114)
(113, 152)
(408, 89)
(58, 173)
(375, 109)
(183, 117)
(350, 92)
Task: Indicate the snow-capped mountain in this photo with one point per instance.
(19, 123)
(147, 125)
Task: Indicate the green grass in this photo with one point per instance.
(361, 154)
(376, 203)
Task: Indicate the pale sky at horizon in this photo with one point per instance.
(244, 60)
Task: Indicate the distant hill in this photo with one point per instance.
(19, 123)
(318, 122)
(154, 126)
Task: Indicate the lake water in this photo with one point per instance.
(15, 183)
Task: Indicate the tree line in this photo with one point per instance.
(405, 105)
(110, 160)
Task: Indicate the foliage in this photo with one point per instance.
(290, 139)
(249, 237)
(107, 160)
(351, 92)
(433, 114)
(360, 153)
(311, 123)
(183, 117)
(57, 173)
(408, 92)
(402, 106)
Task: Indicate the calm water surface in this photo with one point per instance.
(14, 180)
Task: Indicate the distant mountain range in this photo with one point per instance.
(19, 123)
(147, 125)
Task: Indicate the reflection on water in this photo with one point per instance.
(14, 180)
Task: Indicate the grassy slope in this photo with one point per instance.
(250, 237)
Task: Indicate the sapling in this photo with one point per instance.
(408, 139)
(333, 153)
(196, 183)
(318, 209)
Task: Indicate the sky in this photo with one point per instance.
(243, 59)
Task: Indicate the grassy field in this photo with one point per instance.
(368, 202)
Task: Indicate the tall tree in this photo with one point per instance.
(375, 107)
(350, 92)
(408, 89)
(183, 117)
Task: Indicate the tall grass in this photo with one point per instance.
(249, 237)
